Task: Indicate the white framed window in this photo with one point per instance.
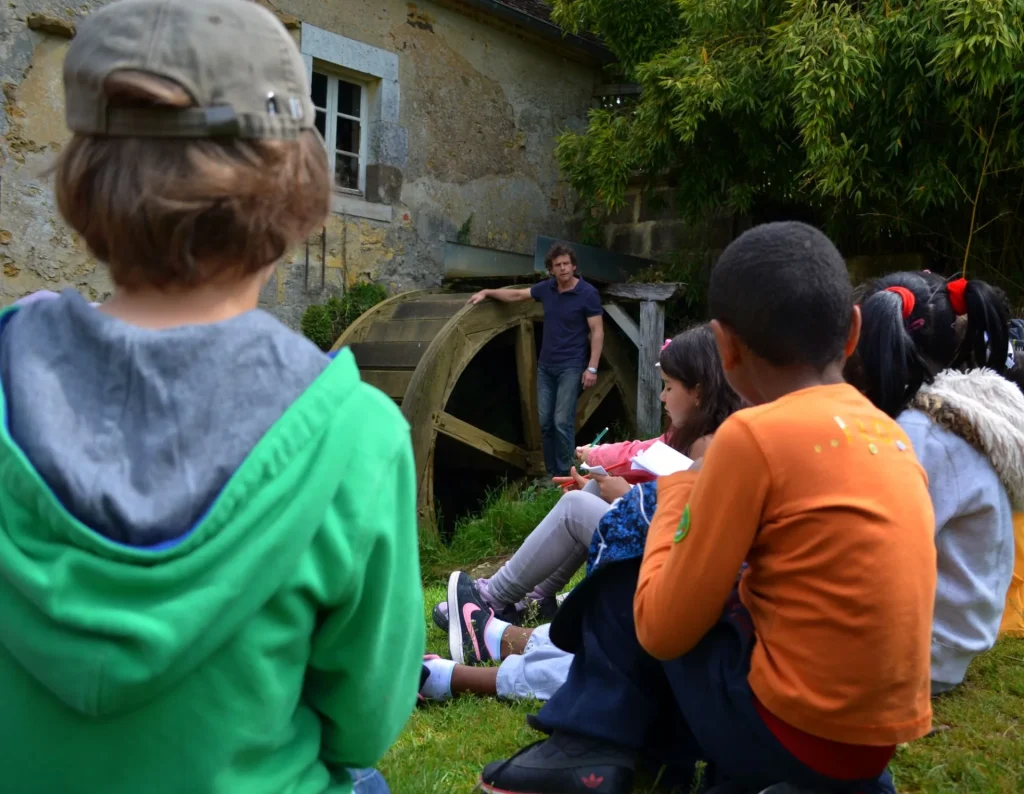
(341, 102)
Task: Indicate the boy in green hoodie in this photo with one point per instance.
(209, 580)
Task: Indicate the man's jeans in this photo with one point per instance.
(558, 391)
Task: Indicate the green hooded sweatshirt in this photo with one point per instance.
(272, 643)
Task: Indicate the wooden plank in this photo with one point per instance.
(652, 335)
(393, 382)
(487, 443)
(404, 331)
(430, 309)
(643, 292)
(388, 355)
(592, 398)
(624, 321)
(526, 373)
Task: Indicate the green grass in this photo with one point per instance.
(978, 747)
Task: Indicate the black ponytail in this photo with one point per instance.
(987, 339)
(911, 331)
(890, 368)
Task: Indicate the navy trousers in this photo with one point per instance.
(695, 708)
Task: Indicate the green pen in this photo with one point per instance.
(599, 437)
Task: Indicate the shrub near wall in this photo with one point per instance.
(323, 323)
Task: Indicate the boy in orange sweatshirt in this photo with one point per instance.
(813, 664)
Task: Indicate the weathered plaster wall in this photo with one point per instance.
(479, 110)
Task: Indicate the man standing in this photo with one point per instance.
(572, 316)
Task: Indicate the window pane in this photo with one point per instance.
(321, 123)
(346, 171)
(348, 98)
(319, 92)
(347, 136)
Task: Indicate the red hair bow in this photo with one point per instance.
(956, 295)
(909, 301)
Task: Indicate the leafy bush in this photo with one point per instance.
(894, 124)
(323, 323)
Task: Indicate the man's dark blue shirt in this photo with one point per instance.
(566, 333)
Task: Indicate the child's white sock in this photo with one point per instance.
(439, 685)
(493, 632)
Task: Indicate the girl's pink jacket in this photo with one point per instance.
(616, 458)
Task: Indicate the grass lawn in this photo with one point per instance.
(977, 748)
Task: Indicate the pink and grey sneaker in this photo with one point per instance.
(468, 616)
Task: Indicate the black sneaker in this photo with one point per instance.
(440, 616)
(468, 616)
(509, 614)
(562, 764)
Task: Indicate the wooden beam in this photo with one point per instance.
(643, 292)
(652, 335)
(624, 321)
(393, 382)
(487, 443)
(526, 372)
(388, 355)
(592, 398)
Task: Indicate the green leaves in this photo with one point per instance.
(850, 109)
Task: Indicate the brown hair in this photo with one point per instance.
(692, 359)
(175, 212)
(557, 250)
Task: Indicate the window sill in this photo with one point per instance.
(343, 204)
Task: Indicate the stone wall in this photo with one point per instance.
(649, 226)
(466, 118)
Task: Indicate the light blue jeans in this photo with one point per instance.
(368, 781)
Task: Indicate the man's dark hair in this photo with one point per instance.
(783, 288)
(557, 250)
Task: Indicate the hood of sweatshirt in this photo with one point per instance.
(986, 411)
(156, 489)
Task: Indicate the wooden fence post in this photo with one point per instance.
(649, 338)
(648, 402)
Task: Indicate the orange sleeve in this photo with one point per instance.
(702, 530)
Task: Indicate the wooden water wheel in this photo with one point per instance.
(465, 377)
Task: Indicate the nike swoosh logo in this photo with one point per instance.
(468, 610)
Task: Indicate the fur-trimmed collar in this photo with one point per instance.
(986, 411)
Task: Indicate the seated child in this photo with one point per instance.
(921, 341)
(201, 588)
(697, 400)
(812, 664)
(531, 664)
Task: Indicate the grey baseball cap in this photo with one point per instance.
(234, 57)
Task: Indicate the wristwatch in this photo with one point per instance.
(592, 370)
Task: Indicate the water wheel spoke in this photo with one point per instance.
(592, 398)
(526, 372)
(481, 440)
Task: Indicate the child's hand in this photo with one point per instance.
(579, 479)
(612, 488)
(583, 452)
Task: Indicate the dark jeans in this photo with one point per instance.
(695, 708)
(558, 391)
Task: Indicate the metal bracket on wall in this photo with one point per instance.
(323, 263)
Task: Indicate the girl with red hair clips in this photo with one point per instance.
(932, 354)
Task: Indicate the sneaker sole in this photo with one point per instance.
(458, 654)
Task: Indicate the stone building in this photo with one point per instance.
(440, 117)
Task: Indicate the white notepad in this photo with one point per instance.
(661, 460)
